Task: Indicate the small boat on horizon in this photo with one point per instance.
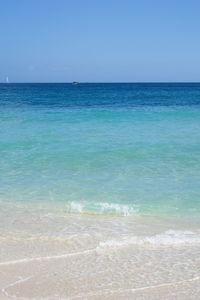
(75, 82)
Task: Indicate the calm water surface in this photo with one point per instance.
(102, 148)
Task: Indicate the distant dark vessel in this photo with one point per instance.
(75, 82)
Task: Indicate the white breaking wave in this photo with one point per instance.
(120, 209)
(76, 207)
(168, 238)
(101, 208)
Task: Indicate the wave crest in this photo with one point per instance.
(167, 238)
(101, 208)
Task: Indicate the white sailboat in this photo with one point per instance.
(7, 80)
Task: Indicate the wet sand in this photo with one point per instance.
(49, 254)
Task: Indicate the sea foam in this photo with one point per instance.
(101, 208)
(167, 238)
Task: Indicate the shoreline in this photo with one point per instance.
(49, 254)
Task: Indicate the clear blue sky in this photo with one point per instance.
(99, 40)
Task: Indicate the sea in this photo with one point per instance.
(100, 191)
(102, 148)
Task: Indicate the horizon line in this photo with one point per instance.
(96, 82)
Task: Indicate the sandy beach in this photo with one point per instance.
(99, 150)
(49, 254)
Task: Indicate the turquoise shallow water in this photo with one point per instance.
(102, 148)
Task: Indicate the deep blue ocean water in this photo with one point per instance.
(118, 148)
